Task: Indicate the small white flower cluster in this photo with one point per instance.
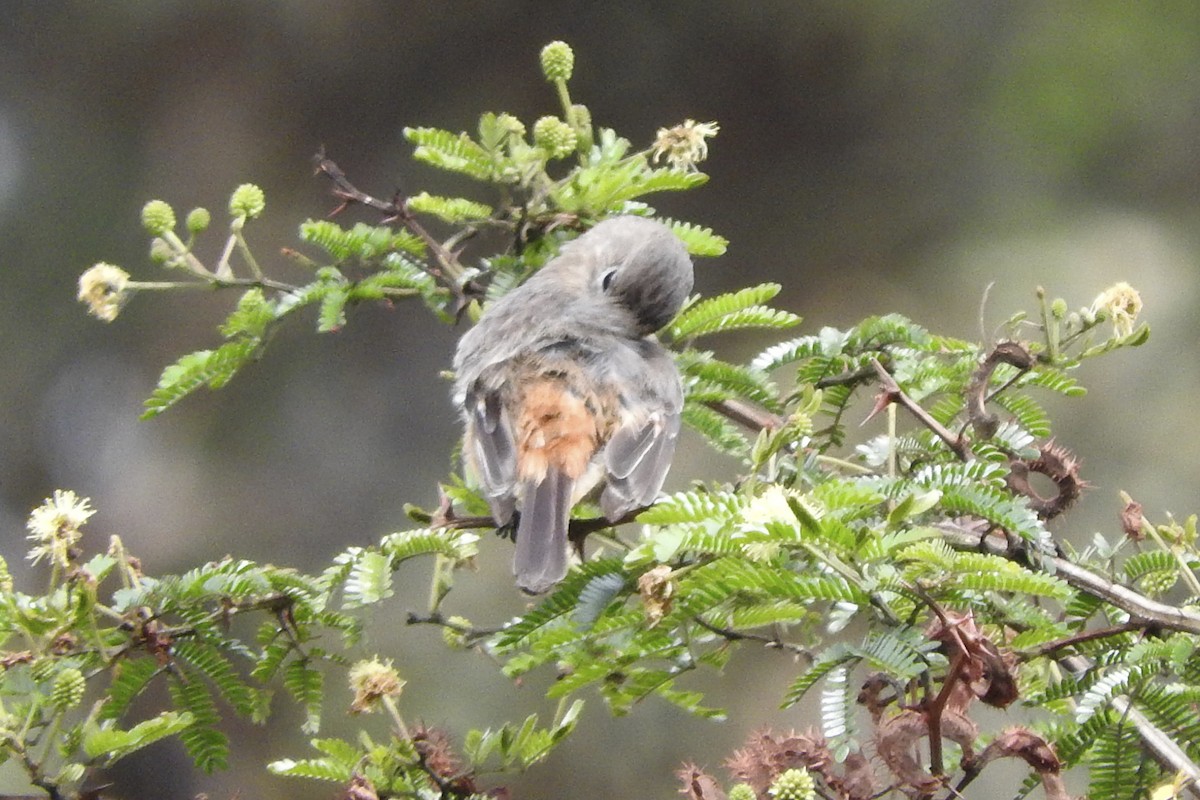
(54, 527)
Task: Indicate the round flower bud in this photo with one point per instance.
(247, 201)
(158, 217)
(68, 689)
(198, 219)
(742, 791)
(511, 124)
(1058, 308)
(793, 784)
(558, 60)
(554, 136)
(160, 251)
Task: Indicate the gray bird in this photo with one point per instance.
(562, 386)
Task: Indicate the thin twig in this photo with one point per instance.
(445, 268)
(469, 633)
(772, 642)
(1046, 648)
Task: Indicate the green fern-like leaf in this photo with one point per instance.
(733, 311)
(837, 711)
(220, 671)
(1117, 768)
(369, 581)
(693, 506)
(208, 747)
(698, 240)
(306, 686)
(321, 769)
(718, 430)
(559, 604)
(1102, 691)
(902, 653)
(213, 368)
(130, 677)
(449, 151)
(332, 314)
(362, 243)
(789, 352)
(403, 545)
(111, 744)
(1054, 380)
(1173, 711)
(708, 378)
(254, 313)
(449, 209)
(983, 572)
(1028, 412)
(774, 612)
(833, 658)
(646, 182)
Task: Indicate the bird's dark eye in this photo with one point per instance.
(607, 279)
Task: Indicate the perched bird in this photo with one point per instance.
(562, 387)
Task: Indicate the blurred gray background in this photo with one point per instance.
(873, 157)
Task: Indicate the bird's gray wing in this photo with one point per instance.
(493, 452)
(636, 461)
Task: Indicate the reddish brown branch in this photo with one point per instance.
(444, 267)
(892, 393)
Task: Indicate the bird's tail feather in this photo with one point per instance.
(541, 555)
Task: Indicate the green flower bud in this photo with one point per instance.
(793, 784)
(511, 124)
(68, 689)
(158, 217)
(453, 637)
(558, 61)
(247, 201)
(198, 219)
(742, 791)
(1058, 308)
(161, 252)
(554, 136)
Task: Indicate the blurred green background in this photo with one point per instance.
(873, 157)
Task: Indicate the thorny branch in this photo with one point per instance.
(445, 267)
(1146, 613)
(892, 393)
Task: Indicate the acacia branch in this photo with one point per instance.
(771, 642)
(894, 394)
(445, 267)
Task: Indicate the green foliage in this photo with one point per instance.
(881, 530)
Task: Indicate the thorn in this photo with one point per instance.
(882, 400)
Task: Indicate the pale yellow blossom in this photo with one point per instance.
(54, 526)
(372, 681)
(103, 288)
(1120, 304)
(684, 146)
